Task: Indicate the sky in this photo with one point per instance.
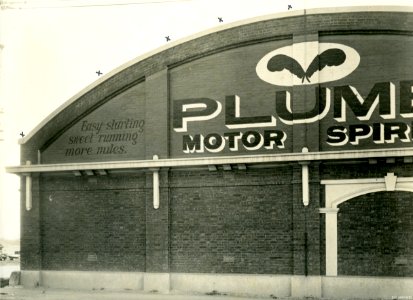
(52, 49)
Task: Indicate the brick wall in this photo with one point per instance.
(93, 223)
(236, 221)
(30, 240)
(375, 235)
(232, 221)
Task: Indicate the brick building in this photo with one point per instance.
(270, 156)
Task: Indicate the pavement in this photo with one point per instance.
(20, 293)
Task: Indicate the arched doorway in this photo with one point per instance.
(340, 191)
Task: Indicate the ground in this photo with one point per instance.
(19, 293)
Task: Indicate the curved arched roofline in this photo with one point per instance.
(289, 14)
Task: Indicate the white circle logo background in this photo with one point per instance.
(304, 53)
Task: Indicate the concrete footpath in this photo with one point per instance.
(20, 293)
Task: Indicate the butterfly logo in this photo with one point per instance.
(287, 66)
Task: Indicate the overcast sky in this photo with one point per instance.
(53, 48)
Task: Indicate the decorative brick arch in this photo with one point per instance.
(339, 191)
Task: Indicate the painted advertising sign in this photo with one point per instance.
(348, 92)
(353, 92)
(114, 131)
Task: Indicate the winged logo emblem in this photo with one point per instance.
(287, 66)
